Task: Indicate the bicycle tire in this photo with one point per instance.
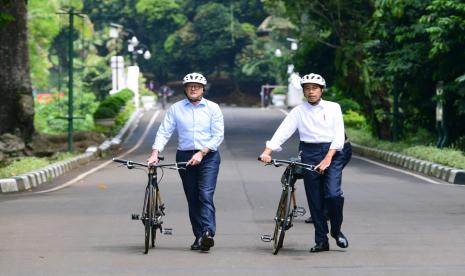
(148, 217)
(156, 223)
(281, 215)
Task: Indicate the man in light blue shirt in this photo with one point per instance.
(200, 128)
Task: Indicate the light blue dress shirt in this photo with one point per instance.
(198, 126)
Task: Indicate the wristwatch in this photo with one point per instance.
(203, 152)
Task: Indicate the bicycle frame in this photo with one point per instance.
(153, 207)
(284, 213)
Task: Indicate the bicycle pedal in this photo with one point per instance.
(135, 217)
(167, 231)
(299, 211)
(266, 238)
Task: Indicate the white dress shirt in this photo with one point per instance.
(198, 126)
(321, 123)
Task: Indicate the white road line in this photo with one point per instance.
(400, 170)
(283, 111)
(76, 179)
(390, 167)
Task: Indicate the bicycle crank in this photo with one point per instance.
(266, 238)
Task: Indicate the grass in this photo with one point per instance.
(445, 156)
(28, 164)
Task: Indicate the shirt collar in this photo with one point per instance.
(321, 104)
(202, 102)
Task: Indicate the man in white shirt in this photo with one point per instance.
(200, 128)
(321, 131)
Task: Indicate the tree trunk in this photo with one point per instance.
(16, 104)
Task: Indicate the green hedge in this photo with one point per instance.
(411, 147)
(111, 105)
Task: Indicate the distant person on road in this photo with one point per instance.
(200, 128)
(321, 131)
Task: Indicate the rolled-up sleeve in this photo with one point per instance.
(338, 126)
(217, 129)
(165, 131)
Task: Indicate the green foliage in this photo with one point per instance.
(50, 117)
(336, 95)
(104, 112)
(354, 120)
(446, 156)
(123, 116)
(97, 76)
(279, 91)
(113, 104)
(43, 26)
(28, 164)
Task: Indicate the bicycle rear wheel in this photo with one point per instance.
(148, 217)
(281, 215)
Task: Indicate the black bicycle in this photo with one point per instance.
(153, 209)
(285, 213)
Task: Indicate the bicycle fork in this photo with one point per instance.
(156, 221)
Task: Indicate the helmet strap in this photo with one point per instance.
(193, 100)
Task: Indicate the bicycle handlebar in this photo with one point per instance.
(280, 162)
(129, 163)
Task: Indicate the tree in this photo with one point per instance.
(16, 106)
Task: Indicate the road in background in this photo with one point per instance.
(396, 224)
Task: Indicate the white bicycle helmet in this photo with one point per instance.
(313, 78)
(194, 77)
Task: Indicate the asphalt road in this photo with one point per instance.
(396, 224)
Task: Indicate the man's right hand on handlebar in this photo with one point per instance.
(153, 159)
(265, 157)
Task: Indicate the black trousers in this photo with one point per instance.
(323, 190)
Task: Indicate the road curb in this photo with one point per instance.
(444, 173)
(36, 178)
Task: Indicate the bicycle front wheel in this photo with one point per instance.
(148, 218)
(281, 214)
(156, 222)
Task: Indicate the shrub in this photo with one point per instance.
(336, 95)
(49, 117)
(446, 156)
(112, 105)
(354, 119)
(104, 113)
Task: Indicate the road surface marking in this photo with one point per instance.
(76, 179)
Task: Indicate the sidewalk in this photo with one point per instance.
(35, 178)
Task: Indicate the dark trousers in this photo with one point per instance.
(323, 190)
(199, 184)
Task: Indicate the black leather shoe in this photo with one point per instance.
(309, 220)
(195, 245)
(341, 240)
(320, 246)
(206, 242)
